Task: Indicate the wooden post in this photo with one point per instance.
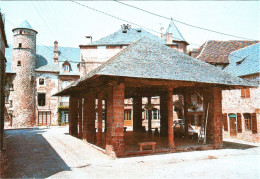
(80, 118)
(73, 116)
(149, 116)
(186, 117)
(164, 115)
(137, 114)
(170, 118)
(99, 137)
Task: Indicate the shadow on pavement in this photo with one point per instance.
(234, 145)
(29, 155)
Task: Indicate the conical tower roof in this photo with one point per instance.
(25, 25)
(176, 35)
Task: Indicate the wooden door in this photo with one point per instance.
(233, 126)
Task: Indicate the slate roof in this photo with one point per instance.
(245, 61)
(25, 25)
(45, 62)
(213, 51)
(120, 38)
(176, 35)
(147, 58)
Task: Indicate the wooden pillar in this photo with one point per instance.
(80, 118)
(214, 124)
(115, 120)
(89, 116)
(164, 115)
(149, 116)
(137, 114)
(73, 116)
(99, 135)
(84, 124)
(170, 118)
(186, 117)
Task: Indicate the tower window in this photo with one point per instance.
(41, 99)
(20, 32)
(19, 63)
(41, 81)
(20, 45)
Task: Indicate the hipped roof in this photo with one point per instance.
(149, 59)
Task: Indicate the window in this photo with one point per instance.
(41, 99)
(44, 118)
(20, 45)
(19, 63)
(248, 121)
(66, 67)
(20, 32)
(11, 104)
(254, 123)
(155, 114)
(41, 81)
(127, 115)
(245, 93)
(239, 123)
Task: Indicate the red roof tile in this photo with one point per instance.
(214, 51)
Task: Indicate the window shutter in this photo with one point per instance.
(242, 93)
(254, 123)
(239, 123)
(225, 122)
(247, 92)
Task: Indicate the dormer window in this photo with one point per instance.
(20, 45)
(66, 67)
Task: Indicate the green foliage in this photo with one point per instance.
(60, 109)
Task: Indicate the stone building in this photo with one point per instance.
(3, 45)
(145, 68)
(34, 73)
(241, 106)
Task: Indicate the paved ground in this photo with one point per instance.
(51, 152)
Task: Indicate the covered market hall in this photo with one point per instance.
(146, 68)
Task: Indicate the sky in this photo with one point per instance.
(69, 23)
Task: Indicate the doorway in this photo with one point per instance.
(233, 125)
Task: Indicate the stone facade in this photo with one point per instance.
(3, 45)
(234, 103)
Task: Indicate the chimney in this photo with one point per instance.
(56, 52)
(168, 38)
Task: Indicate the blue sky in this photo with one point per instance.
(69, 23)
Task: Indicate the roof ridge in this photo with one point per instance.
(249, 46)
(204, 46)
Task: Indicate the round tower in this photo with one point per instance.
(23, 63)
